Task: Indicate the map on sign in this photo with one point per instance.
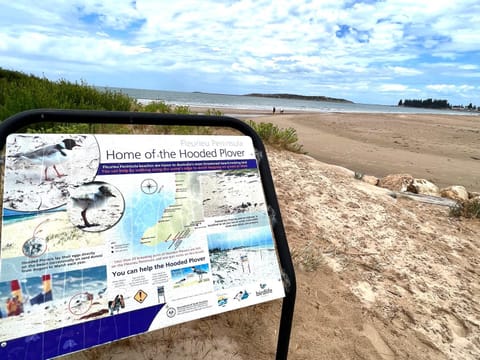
(99, 228)
(178, 218)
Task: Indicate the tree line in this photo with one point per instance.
(434, 104)
(428, 103)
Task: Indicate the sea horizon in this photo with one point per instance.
(247, 102)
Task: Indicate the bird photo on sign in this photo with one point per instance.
(95, 206)
(39, 168)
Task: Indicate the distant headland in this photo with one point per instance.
(300, 97)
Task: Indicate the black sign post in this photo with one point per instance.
(34, 248)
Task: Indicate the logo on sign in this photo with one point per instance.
(264, 290)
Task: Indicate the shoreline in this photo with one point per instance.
(444, 149)
(243, 112)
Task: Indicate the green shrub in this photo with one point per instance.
(163, 108)
(181, 109)
(213, 112)
(157, 107)
(282, 138)
(468, 209)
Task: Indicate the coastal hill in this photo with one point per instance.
(300, 97)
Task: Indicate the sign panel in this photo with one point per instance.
(109, 236)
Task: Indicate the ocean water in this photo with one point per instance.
(221, 101)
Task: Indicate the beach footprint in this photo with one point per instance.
(378, 343)
(457, 326)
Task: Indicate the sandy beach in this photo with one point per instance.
(444, 149)
(378, 277)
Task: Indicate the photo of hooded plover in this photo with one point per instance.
(39, 169)
(200, 272)
(49, 156)
(95, 206)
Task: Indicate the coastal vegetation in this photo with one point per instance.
(281, 138)
(20, 92)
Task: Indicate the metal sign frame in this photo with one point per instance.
(27, 118)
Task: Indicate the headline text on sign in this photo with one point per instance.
(172, 154)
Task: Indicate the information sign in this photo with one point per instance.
(108, 236)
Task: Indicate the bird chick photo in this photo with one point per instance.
(95, 206)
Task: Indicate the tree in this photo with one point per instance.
(428, 103)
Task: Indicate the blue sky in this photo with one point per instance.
(365, 51)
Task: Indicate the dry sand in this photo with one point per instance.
(377, 277)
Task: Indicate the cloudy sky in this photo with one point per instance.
(365, 51)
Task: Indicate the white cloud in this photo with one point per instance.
(447, 88)
(469, 67)
(403, 71)
(384, 44)
(393, 88)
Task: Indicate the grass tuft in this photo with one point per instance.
(309, 257)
